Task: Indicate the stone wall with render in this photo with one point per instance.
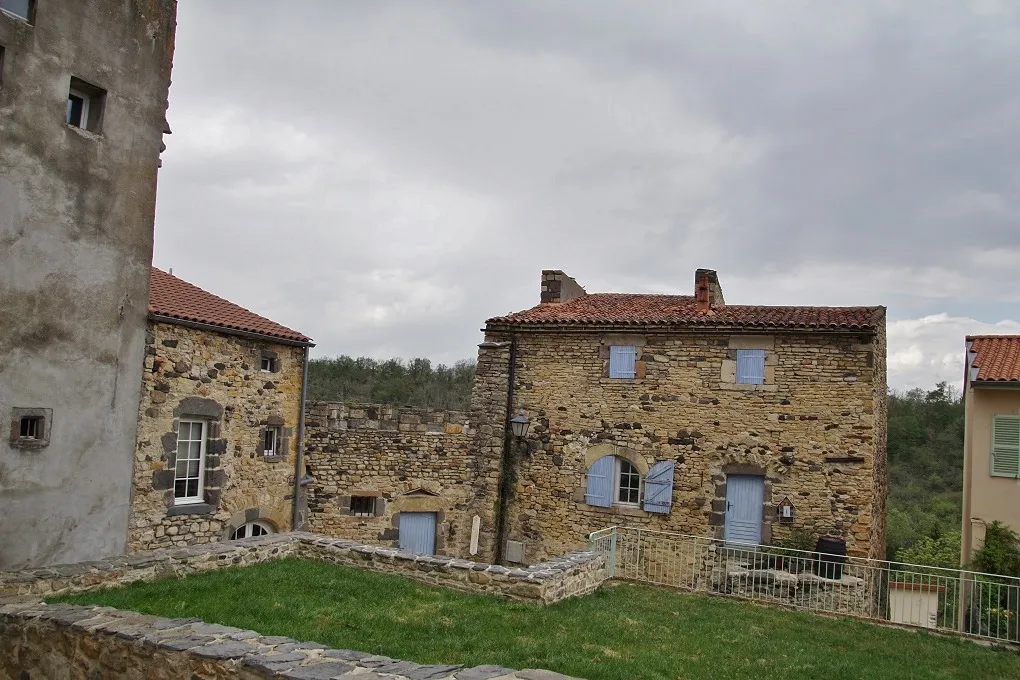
(570, 575)
(68, 641)
(405, 460)
(815, 430)
(214, 377)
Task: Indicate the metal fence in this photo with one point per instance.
(949, 600)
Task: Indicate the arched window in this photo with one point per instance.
(614, 480)
(249, 529)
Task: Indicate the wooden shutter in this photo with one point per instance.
(1006, 446)
(600, 482)
(621, 361)
(750, 366)
(659, 488)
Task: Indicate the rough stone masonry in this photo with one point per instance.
(812, 430)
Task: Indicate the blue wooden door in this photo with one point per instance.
(417, 532)
(744, 497)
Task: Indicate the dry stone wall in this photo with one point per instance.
(215, 378)
(67, 641)
(571, 575)
(815, 431)
(369, 463)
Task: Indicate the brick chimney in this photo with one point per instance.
(707, 290)
(558, 287)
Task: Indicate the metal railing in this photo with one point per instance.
(948, 600)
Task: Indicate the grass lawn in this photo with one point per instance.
(622, 632)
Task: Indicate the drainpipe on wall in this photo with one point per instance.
(299, 465)
(505, 478)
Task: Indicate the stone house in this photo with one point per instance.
(83, 100)
(219, 423)
(991, 453)
(686, 414)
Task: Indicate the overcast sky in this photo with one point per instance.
(384, 176)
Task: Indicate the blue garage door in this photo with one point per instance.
(744, 497)
(418, 532)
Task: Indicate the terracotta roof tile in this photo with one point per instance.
(996, 356)
(642, 309)
(175, 298)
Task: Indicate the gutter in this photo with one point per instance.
(506, 462)
(299, 463)
(159, 318)
(672, 328)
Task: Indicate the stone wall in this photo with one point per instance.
(68, 641)
(146, 566)
(400, 460)
(815, 431)
(570, 575)
(216, 378)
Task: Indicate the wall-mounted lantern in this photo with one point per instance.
(785, 510)
(519, 425)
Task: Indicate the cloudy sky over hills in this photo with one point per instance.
(385, 175)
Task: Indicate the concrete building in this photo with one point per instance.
(83, 99)
(219, 421)
(991, 449)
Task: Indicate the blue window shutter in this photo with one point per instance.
(621, 361)
(600, 482)
(1006, 446)
(659, 488)
(750, 366)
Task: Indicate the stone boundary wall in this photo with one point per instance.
(571, 575)
(70, 641)
(574, 574)
(151, 565)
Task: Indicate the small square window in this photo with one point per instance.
(268, 364)
(750, 366)
(85, 105)
(31, 427)
(271, 442)
(362, 506)
(621, 361)
(23, 9)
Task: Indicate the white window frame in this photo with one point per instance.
(274, 448)
(200, 496)
(84, 108)
(271, 363)
(12, 13)
(618, 479)
(36, 427)
(249, 527)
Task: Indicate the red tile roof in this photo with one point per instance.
(996, 356)
(641, 309)
(172, 297)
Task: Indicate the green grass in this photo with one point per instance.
(624, 631)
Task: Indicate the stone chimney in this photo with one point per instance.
(558, 287)
(707, 290)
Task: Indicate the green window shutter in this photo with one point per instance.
(1006, 446)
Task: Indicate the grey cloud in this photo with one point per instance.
(386, 175)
